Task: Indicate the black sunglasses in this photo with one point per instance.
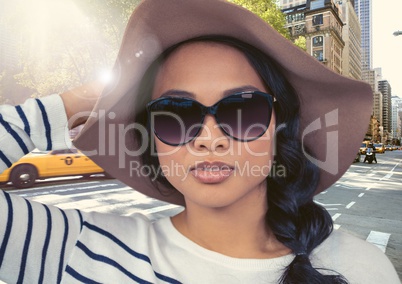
(242, 116)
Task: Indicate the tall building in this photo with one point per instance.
(363, 10)
(351, 34)
(385, 88)
(396, 121)
(291, 3)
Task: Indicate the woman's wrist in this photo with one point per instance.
(80, 101)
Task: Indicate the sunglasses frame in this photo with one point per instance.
(212, 110)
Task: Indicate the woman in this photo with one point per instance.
(216, 105)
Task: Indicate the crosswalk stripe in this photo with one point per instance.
(379, 239)
(336, 216)
(54, 198)
(26, 192)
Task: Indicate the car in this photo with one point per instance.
(388, 148)
(379, 148)
(41, 165)
(363, 147)
(394, 147)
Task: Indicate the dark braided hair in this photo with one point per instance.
(292, 216)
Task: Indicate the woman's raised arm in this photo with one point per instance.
(43, 123)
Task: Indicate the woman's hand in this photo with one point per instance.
(80, 101)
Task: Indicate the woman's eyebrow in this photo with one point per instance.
(177, 93)
(246, 88)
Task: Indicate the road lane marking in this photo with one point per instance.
(336, 216)
(336, 226)
(323, 204)
(361, 194)
(152, 210)
(389, 175)
(379, 239)
(159, 208)
(350, 205)
(348, 186)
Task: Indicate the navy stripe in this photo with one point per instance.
(167, 279)
(81, 219)
(63, 249)
(9, 226)
(26, 244)
(110, 261)
(118, 242)
(24, 119)
(46, 244)
(14, 134)
(129, 250)
(46, 124)
(5, 159)
(79, 277)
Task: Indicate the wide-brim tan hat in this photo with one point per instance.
(335, 110)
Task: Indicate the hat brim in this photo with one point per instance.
(335, 110)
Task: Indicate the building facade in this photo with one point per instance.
(363, 10)
(396, 119)
(284, 4)
(385, 88)
(351, 34)
(320, 23)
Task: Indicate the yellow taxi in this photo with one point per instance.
(379, 148)
(56, 163)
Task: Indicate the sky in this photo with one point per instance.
(387, 48)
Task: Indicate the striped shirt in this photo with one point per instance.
(44, 244)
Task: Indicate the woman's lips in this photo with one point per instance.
(214, 172)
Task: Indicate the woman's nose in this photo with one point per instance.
(211, 137)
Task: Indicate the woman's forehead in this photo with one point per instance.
(205, 66)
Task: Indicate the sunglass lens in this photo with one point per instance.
(244, 117)
(175, 121)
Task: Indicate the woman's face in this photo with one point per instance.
(213, 170)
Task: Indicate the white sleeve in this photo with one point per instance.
(38, 123)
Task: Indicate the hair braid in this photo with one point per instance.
(293, 217)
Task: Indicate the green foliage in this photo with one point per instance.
(68, 43)
(267, 10)
(301, 42)
(10, 91)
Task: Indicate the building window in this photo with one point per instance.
(319, 54)
(299, 29)
(316, 4)
(318, 20)
(318, 41)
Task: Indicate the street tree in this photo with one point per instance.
(270, 12)
(69, 44)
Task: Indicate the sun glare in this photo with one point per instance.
(45, 21)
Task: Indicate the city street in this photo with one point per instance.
(366, 201)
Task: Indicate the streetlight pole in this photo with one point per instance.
(397, 33)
